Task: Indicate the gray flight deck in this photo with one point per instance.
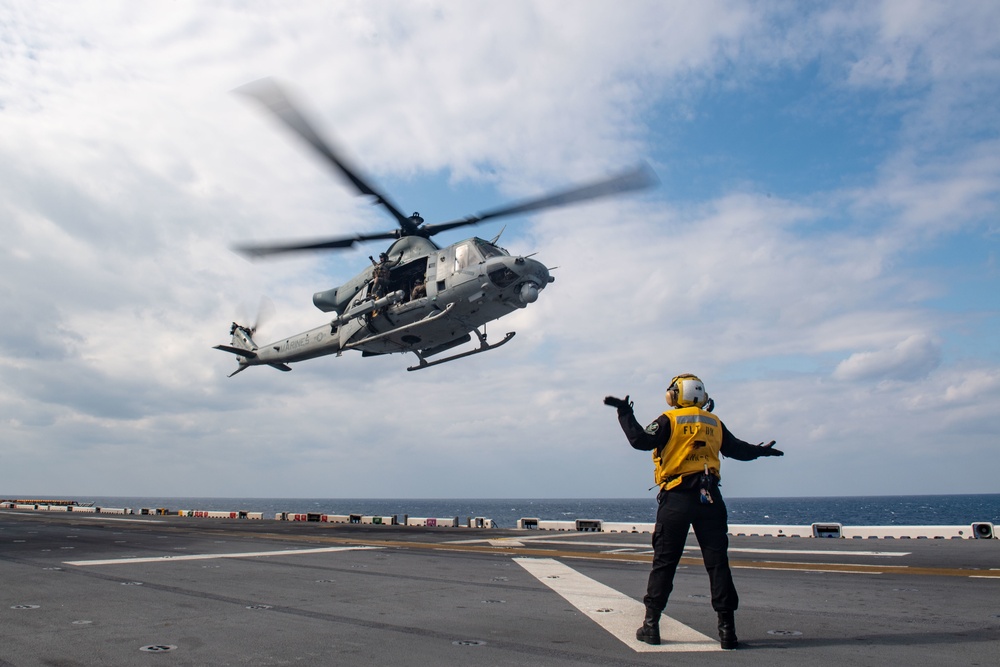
(135, 590)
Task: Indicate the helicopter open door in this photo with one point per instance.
(405, 276)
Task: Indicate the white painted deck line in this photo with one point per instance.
(616, 612)
(247, 554)
(505, 542)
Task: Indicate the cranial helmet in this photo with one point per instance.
(687, 391)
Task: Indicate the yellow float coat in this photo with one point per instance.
(695, 440)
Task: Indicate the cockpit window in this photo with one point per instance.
(488, 250)
(462, 256)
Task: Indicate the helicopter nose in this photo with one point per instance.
(532, 268)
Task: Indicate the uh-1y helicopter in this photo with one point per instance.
(419, 297)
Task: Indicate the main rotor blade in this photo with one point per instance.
(638, 178)
(254, 250)
(268, 93)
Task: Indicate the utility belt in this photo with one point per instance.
(705, 484)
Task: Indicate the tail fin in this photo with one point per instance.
(238, 351)
(243, 347)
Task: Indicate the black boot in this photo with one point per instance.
(649, 631)
(727, 631)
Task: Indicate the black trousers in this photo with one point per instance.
(677, 512)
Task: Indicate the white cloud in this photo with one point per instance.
(910, 359)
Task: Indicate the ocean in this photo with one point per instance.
(946, 510)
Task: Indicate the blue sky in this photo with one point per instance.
(822, 249)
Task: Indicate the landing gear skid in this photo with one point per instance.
(483, 347)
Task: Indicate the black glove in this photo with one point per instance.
(620, 403)
(769, 450)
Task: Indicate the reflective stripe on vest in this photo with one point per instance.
(695, 440)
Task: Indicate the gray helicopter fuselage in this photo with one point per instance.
(467, 285)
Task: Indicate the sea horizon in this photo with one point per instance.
(860, 510)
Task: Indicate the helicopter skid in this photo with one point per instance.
(483, 347)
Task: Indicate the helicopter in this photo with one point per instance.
(418, 297)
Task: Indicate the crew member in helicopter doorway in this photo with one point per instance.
(380, 274)
(686, 442)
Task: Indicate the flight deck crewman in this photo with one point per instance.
(686, 442)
